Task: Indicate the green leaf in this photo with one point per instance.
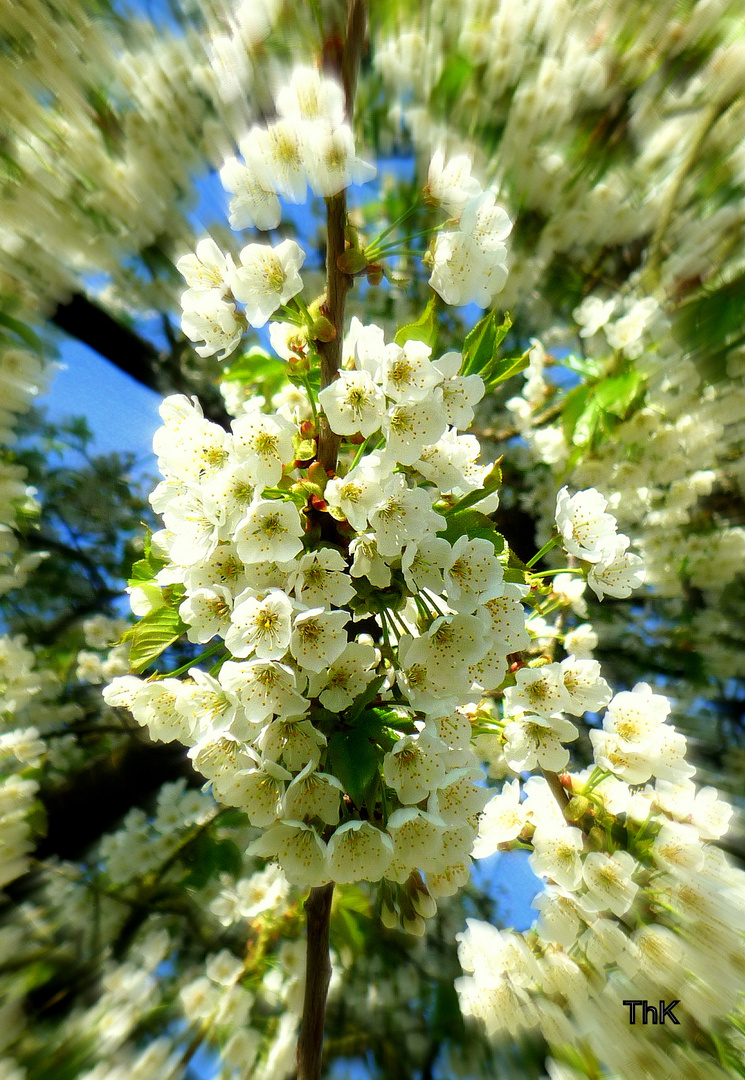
(152, 635)
(228, 858)
(492, 480)
(363, 700)
(373, 723)
(447, 1017)
(255, 365)
(473, 524)
(355, 761)
(207, 857)
(25, 333)
(574, 405)
(145, 570)
(425, 328)
(594, 409)
(480, 346)
(709, 326)
(585, 365)
(455, 76)
(232, 819)
(588, 423)
(617, 394)
(501, 370)
(352, 898)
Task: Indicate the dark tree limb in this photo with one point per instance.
(161, 372)
(345, 66)
(85, 320)
(94, 800)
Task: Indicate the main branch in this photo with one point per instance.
(318, 904)
(337, 286)
(317, 977)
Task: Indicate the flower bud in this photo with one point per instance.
(577, 808)
(374, 273)
(388, 916)
(596, 839)
(353, 261)
(318, 476)
(298, 366)
(323, 329)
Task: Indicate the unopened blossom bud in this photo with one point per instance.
(317, 475)
(577, 808)
(298, 366)
(388, 916)
(596, 839)
(352, 261)
(323, 329)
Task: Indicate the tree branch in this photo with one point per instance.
(162, 372)
(318, 904)
(317, 977)
(337, 286)
(94, 800)
(337, 282)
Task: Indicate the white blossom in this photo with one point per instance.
(267, 278)
(271, 528)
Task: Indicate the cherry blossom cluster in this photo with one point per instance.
(590, 533)
(145, 842)
(639, 905)
(659, 471)
(101, 635)
(29, 705)
(469, 259)
(23, 377)
(309, 144)
(436, 618)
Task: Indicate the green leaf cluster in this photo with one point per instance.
(594, 410)
(481, 352)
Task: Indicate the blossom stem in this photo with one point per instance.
(558, 791)
(292, 315)
(371, 443)
(311, 399)
(386, 637)
(337, 286)
(424, 611)
(433, 601)
(372, 249)
(303, 309)
(558, 570)
(405, 251)
(539, 554)
(197, 659)
(387, 249)
(596, 777)
(400, 627)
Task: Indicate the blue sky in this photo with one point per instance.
(121, 413)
